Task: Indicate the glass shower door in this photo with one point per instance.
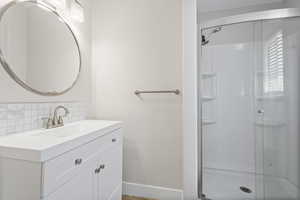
(228, 112)
(279, 99)
(250, 91)
(250, 98)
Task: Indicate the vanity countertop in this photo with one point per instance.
(44, 144)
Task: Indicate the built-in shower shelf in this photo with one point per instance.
(270, 98)
(208, 98)
(269, 123)
(208, 122)
(208, 75)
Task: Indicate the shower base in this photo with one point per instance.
(226, 185)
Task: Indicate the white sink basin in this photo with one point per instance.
(66, 131)
(43, 144)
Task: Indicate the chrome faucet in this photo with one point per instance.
(57, 121)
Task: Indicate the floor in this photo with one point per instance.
(225, 185)
(135, 198)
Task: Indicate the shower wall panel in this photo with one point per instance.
(229, 143)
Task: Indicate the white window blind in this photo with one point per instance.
(274, 69)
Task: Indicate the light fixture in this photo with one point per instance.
(77, 12)
(58, 4)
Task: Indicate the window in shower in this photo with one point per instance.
(274, 67)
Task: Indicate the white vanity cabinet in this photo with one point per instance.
(93, 172)
(90, 171)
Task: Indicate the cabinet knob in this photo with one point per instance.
(78, 161)
(114, 140)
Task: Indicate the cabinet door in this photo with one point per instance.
(81, 187)
(110, 176)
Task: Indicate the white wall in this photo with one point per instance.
(217, 5)
(13, 39)
(292, 3)
(190, 99)
(12, 92)
(137, 45)
(206, 16)
(209, 10)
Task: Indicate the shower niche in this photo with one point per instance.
(208, 89)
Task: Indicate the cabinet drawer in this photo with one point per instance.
(62, 169)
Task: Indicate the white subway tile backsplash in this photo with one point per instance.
(3, 112)
(15, 118)
(3, 124)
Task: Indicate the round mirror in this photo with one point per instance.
(38, 48)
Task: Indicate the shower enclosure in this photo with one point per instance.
(249, 107)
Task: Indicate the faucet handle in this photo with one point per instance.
(47, 122)
(60, 120)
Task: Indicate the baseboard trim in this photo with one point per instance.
(153, 192)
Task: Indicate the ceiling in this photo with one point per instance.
(214, 5)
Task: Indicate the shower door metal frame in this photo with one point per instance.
(235, 19)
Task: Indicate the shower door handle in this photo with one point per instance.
(260, 111)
